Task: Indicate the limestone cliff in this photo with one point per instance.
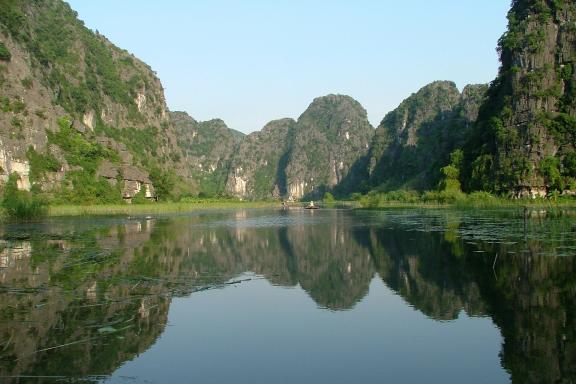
(330, 137)
(56, 74)
(258, 168)
(207, 148)
(414, 141)
(523, 143)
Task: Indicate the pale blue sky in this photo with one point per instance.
(252, 61)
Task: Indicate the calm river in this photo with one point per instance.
(271, 296)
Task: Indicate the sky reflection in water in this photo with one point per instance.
(271, 296)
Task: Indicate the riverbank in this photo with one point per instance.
(154, 208)
(372, 201)
(479, 200)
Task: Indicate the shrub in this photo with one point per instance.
(27, 82)
(328, 197)
(550, 170)
(21, 205)
(481, 196)
(163, 182)
(79, 151)
(4, 53)
(444, 197)
(40, 164)
(140, 197)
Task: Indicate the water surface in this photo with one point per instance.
(260, 296)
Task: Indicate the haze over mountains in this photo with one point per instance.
(84, 121)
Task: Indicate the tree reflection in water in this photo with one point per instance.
(79, 298)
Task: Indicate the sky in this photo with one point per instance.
(252, 61)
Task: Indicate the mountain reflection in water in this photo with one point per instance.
(79, 298)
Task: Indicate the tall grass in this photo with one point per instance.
(155, 208)
(456, 199)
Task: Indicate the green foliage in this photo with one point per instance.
(4, 52)
(211, 184)
(21, 205)
(5, 104)
(84, 188)
(549, 167)
(40, 113)
(79, 151)
(451, 173)
(562, 127)
(448, 196)
(57, 34)
(27, 82)
(481, 197)
(356, 196)
(376, 199)
(163, 182)
(142, 143)
(328, 197)
(2, 75)
(140, 197)
(16, 122)
(12, 19)
(16, 106)
(40, 164)
(569, 164)
(264, 179)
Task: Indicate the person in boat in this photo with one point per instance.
(311, 204)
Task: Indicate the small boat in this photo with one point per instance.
(311, 206)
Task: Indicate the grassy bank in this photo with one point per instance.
(404, 199)
(154, 208)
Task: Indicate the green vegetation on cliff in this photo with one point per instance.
(4, 52)
(51, 32)
(414, 141)
(523, 143)
(330, 146)
(258, 169)
(121, 143)
(207, 149)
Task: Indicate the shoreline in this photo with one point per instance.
(153, 208)
(191, 206)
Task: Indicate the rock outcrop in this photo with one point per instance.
(524, 142)
(207, 148)
(330, 137)
(258, 169)
(414, 141)
(319, 152)
(56, 67)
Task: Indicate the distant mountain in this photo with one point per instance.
(83, 121)
(259, 166)
(524, 142)
(330, 138)
(414, 141)
(207, 148)
(304, 158)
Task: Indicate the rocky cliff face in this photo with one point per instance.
(414, 141)
(524, 140)
(258, 168)
(295, 159)
(207, 148)
(52, 67)
(330, 138)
